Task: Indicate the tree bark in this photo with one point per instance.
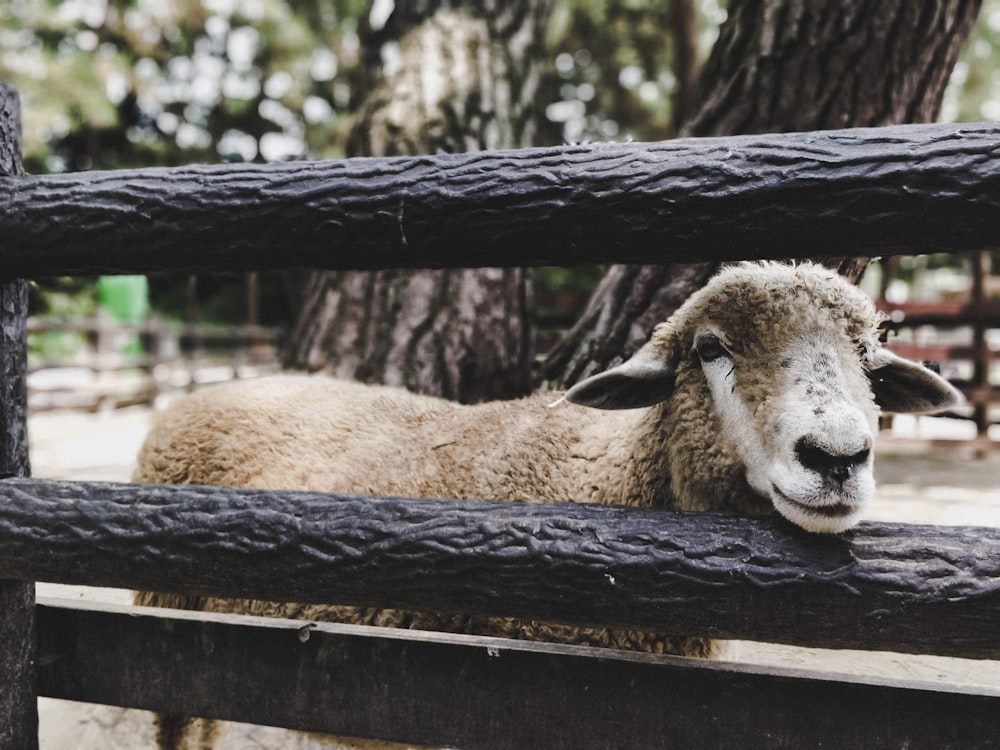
(684, 29)
(18, 712)
(466, 80)
(780, 66)
(787, 65)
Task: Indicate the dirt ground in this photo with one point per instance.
(916, 484)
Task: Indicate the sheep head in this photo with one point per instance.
(783, 367)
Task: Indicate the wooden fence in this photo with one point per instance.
(170, 356)
(978, 315)
(906, 588)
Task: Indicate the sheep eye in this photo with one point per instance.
(709, 347)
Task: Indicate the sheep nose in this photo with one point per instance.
(830, 465)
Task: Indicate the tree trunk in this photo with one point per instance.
(465, 79)
(805, 65)
(684, 28)
(781, 66)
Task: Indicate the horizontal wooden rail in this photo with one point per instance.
(938, 352)
(944, 314)
(882, 586)
(245, 332)
(879, 191)
(481, 693)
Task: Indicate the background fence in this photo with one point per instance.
(123, 364)
(976, 321)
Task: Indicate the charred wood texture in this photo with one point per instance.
(13, 313)
(783, 66)
(18, 715)
(882, 191)
(882, 586)
(482, 693)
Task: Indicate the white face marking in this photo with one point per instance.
(808, 445)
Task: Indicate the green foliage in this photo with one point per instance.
(136, 83)
(613, 67)
(974, 91)
(139, 83)
(64, 298)
(559, 278)
(61, 299)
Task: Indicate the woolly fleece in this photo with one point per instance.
(317, 433)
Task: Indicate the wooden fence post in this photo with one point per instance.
(18, 694)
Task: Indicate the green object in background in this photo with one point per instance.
(125, 297)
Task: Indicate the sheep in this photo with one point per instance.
(760, 395)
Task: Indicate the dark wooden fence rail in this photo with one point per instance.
(917, 589)
(883, 586)
(484, 693)
(920, 589)
(912, 189)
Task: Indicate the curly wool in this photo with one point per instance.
(316, 433)
(385, 441)
(322, 434)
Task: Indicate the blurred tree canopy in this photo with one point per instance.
(110, 84)
(113, 84)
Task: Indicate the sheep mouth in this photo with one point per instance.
(832, 510)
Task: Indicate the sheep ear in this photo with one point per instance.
(902, 386)
(644, 380)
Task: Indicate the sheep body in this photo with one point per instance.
(382, 440)
(388, 441)
(761, 393)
